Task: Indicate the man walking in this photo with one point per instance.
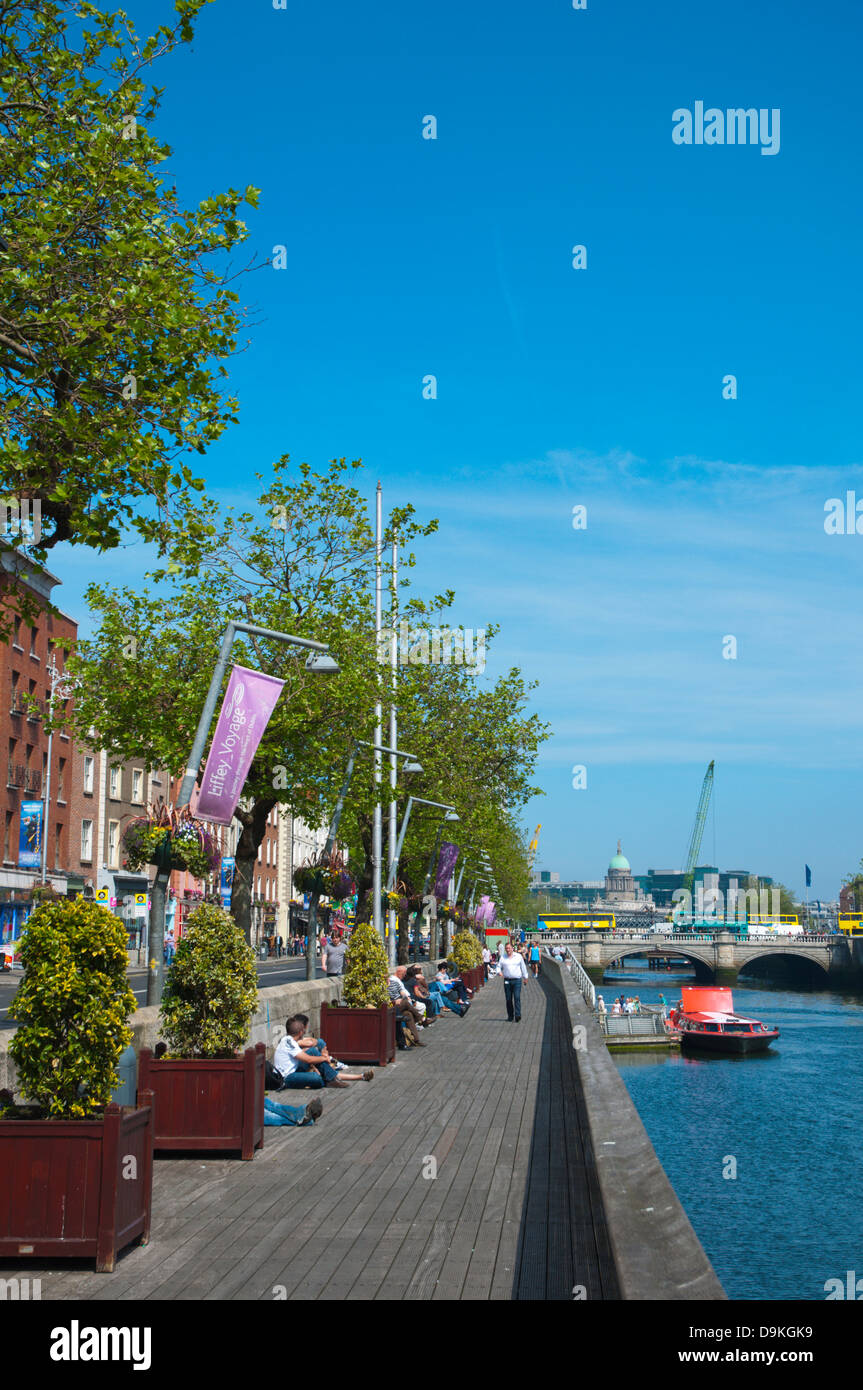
(513, 970)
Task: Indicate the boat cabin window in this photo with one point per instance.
(737, 1027)
(711, 1027)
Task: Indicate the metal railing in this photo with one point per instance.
(580, 976)
(21, 776)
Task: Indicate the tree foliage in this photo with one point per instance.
(71, 1007)
(211, 990)
(118, 310)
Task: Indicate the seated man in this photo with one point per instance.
(414, 982)
(299, 1068)
(275, 1114)
(450, 983)
(404, 1006)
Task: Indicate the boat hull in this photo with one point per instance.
(734, 1043)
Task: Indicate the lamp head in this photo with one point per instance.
(411, 765)
(452, 816)
(322, 663)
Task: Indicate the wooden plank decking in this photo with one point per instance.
(341, 1209)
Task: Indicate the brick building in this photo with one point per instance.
(26, 676)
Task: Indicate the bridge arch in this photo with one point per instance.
(794, 965)
(702, 960)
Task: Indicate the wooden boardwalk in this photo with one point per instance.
(347, 1209)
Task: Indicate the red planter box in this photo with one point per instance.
(77, 1188)
(359, 1035)
(204, 1103)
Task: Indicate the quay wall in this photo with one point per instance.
(657, 1254)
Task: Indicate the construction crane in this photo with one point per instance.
(698, 828)
(531, 849)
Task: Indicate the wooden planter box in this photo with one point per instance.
(77, 1188)
(359, 1035)
(203, 1103)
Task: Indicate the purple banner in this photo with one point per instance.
(445, 866)
(482, 910)
(491, 914)
(249, 701)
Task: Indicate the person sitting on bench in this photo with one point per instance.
(298, 1068)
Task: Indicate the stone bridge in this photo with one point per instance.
(717, 958)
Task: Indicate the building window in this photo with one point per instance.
(86, 840)
(7, 837)
(114, 792)
(268, 851)
(113, 844)
(61, 780)
(137, 785)
(58, 832)
(89, 766)
(260, 854)
(16, 641)
(34, 637)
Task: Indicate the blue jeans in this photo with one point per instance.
(512, 991)
(307, 1075)
(284, 1114)
(450, 1000)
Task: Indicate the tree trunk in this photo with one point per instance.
(403, 938)
(365, 880)
(254, 825)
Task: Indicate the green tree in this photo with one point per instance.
(302, 564)
(118, 306)
(71, 1007)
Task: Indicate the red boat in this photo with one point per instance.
(707, 1023)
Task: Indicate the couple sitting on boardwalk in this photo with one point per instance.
(302, 1061)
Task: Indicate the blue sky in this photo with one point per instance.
(558, 387)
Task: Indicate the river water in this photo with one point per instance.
(787, 1122)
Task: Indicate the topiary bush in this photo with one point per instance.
(466, 950)
(366, 970)
(211, 989)
(71, 1007)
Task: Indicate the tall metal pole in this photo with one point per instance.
(392, 830)
(376, 832)
(48, 775)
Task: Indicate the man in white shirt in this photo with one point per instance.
(486, 960)
(514, 971)
(308, 1069)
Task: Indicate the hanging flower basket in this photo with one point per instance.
(327, 876)
(168, 835)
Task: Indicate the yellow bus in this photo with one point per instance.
(575, 921)
(851, 923)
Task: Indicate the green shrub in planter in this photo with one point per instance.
(466, 950)
(211, 989)
(366, 970)
(71, 1007)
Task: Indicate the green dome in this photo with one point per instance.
(620, 861)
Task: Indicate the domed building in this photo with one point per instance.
(620, 886)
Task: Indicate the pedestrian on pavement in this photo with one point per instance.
(534, 959)
(513, 970)
(336, 955)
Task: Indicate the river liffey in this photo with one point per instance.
(763, 1151)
